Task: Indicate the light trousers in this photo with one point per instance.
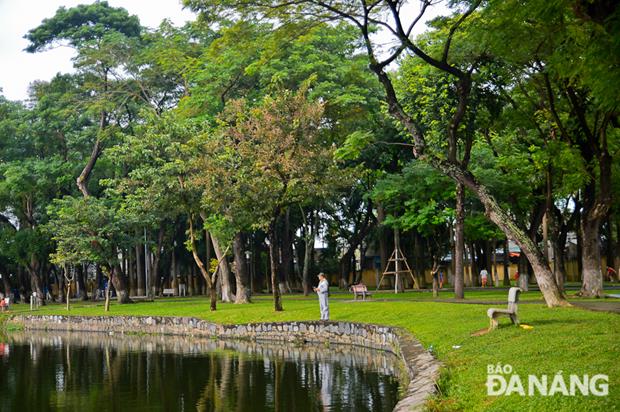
(324, 305)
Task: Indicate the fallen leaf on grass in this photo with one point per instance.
(480, 332)
(526, 327)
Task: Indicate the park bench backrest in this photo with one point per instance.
(513, 298)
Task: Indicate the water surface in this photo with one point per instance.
(42, 371)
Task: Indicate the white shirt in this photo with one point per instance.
(323, 286)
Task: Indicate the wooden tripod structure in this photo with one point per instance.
(397, 257)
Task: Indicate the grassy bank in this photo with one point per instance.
(571, 340)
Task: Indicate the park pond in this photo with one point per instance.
(47, 371)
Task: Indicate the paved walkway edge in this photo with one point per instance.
(421, 367)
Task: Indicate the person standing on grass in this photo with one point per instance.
(323, 290)
(484, 275)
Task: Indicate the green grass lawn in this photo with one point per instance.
(571, 340)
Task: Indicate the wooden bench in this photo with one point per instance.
(168, 292)
(360, 289)
(511, 311)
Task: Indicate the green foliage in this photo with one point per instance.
(87, 230)
(157, 156)
(81, 25)
(262, 159)
(418, 198)
(353, 146)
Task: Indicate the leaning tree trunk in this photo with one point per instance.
(227, 295)
(204, 271)
(241, 270)
(493, 211)
(542, 271)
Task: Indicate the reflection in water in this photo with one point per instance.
(78, 372)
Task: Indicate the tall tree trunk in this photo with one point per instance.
(557, 235)
(579, 247)
(418, 260)
(345, 268)
(558, 268)
(468, 269)
(60, 281)
(523, 273)
(610, 249)
(36, 285)
(506, 262)
(154, 279)
(81, 275)
(190, 281)
(120, 284)
(273, 260)
(98, 282)
(227, 295)
(307, 282)
(242, 277)
(475, 270)
(209, 256)
(174, 282)
(6, 283)
(309, 234)
(592, 284)
(495, 270)
(140, 270)
(285, 247)
(128, 257)
(488, 261)
(383, 234)
(459, 243)
(360, 273)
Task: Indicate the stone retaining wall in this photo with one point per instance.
(422, 368)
